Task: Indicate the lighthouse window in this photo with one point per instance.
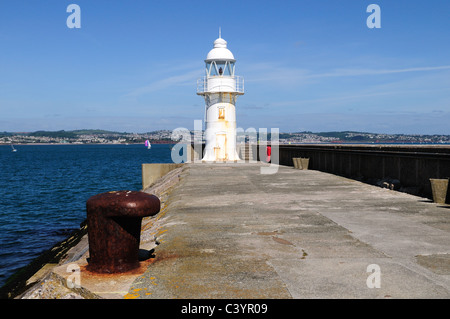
(230, 69)
(221, 114)
(208, 67)
(214, 70)
(221, 68)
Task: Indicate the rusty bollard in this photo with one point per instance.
(114, 229)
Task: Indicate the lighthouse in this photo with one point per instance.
(220, 87)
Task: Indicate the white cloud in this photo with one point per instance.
(414, 89)
(359, 72)
(271, 72)
(176, 80)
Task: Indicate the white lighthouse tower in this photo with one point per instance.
(220, 88)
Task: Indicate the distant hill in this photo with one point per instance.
(164, 136)
(91, 132)
(59, 134)
(3, 134)
(337, 134)
(366, 137)
(71, 134)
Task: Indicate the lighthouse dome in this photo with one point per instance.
(220, 52)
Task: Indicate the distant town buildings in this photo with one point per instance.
(164, 136)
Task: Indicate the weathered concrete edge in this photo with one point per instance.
(154, 171)
(76, 246)
(19, 282)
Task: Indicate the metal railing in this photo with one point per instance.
(202, 85)
(239, 84)
(238, 87)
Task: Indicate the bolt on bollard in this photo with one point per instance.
(114, 229)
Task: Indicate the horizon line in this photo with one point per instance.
(280, 132)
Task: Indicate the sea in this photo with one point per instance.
(44, 189)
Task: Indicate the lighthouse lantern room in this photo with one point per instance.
(220, 88)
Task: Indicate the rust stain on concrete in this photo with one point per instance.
(281, 241)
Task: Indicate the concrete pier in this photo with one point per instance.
(228, 231)
(231, 232)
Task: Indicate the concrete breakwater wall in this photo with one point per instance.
(29, 275)
(152, 172)
(37, 280)
(407, 167)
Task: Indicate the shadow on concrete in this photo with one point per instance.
(144, 254)
(426, 201)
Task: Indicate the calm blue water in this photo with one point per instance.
(44, 189)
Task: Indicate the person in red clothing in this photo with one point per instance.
(269, 152)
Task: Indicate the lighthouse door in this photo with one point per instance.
(221, 147)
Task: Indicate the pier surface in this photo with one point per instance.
(232, 232)
(228, 231)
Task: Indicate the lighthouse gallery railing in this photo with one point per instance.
(202, 84)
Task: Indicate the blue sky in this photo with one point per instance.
(308, 65)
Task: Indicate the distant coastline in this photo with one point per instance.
(285, 143)
(47, 144)
(102, 137)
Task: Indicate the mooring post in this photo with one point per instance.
(114, 229)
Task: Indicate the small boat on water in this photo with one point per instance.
(147, 144)
(13, 149)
